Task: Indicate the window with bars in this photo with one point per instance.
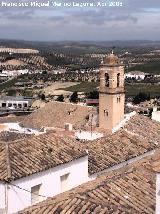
(35, 194)
(105, 113)
(64, 182)
(118, 99)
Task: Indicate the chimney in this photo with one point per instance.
(68, 127)
(154, 108)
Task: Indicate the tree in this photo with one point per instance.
(93, 95)
(74, 97)
(42, 96)
(44, 72)
(60, 98)
(11, 92)
(141, 97)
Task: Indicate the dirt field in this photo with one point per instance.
(2, 127)
(13, 62)
(53, 89)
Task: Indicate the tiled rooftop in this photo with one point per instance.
(128, 191)
(25, 157)
(131, 141)
(123, 145)
(6, 136)
(114, 149)
(56, 114)
(144, 128)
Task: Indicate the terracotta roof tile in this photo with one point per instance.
(6, 136)
(128, 143)
(56, 114)
(114, 149)
(35, 154)
(126, 191)
(144, 128)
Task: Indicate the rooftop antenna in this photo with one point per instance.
(91, 124)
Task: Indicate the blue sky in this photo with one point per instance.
(136, 19)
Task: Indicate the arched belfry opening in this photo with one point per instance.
(106, 79)
(111, 92)
(118, 79)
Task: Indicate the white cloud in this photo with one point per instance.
(137, 19)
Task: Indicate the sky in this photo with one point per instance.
(132, 20)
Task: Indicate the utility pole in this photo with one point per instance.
(91, 124)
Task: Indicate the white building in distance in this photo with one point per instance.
(156, 114)
(136, 75)
(18, 50)
(13, 73)
(17, 102)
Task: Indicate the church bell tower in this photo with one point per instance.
(111, 92)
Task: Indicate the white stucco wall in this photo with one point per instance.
(18, 199)
(156, 116)
(2, 196)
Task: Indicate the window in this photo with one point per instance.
(19, 105)
(118, 99)
(35, 194)
(15, 105)
(106, 80)
(3, 104)
(9, 104)
(25, 105)
(118, 79)
(105, 113)
(64, 182)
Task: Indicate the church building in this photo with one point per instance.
(111, 92)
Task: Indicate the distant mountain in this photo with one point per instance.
(82, 46)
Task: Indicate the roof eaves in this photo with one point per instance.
(9, 172)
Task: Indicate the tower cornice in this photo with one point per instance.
(114, 65)
(112, 93)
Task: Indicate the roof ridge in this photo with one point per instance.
(9, 173)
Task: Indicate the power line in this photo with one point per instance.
(27, 190)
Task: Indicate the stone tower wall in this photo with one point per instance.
(111, 97)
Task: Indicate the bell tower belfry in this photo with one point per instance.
(111, 92)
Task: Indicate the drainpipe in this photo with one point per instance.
(6, 198)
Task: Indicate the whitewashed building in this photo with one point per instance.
(156, 114)
(13, 73)
(135, 74)
(59, 71)
(18, 50)
(17, 102)
(38, 167)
